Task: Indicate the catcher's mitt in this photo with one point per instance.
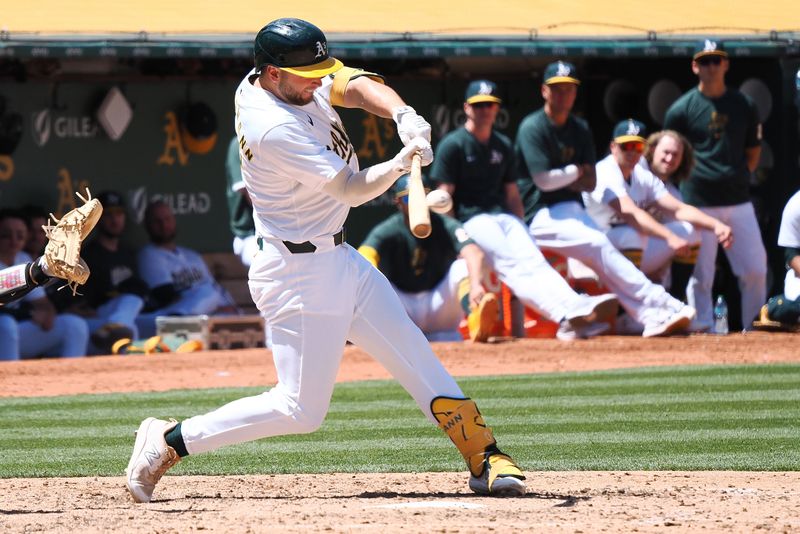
(63, 250)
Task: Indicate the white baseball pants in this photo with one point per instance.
(656, 254)
(521, 266)
(313, 303)
(68, 338)
(438, 312)
(566, 228)
(748, 261)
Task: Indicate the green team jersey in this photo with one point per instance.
(719, 129)
(542, 146)
(239, 210)
(414, 264)
(478, 171)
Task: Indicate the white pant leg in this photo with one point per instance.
(657, 255)
(748, 260)
(698, 291)
(308, 301)
(9, 338)
(747, 257)
(791, 285)
(624, 237)
(446, 311)
(245, 248)
(431, 313)
(68, 338)
(416, 305)
(520, 265)
(383, 329)
(565, 228)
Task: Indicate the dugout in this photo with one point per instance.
(164, 68)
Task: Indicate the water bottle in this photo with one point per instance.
(721, 316)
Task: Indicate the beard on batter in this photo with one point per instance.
(292, 95)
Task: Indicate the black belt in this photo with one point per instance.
(306, 247)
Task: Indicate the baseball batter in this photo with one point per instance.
(315, 291)
(786, 308)
(625, 194)
(475, 166)
(439, 279)
(556, 158)
(723, 127)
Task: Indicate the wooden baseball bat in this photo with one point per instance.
(419, 218)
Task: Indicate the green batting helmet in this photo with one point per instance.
(295, 46)
(400, 187)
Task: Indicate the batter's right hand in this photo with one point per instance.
(417, 144)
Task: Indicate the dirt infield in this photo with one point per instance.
(422, 502)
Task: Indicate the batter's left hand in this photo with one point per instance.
(724, 235)
(417, 145)
(410, 125)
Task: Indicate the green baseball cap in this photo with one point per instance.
(709, 47)
(560, 72)
(629, 130)
(481, 91)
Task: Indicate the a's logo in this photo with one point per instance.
(41, 127)
(322, 49)
(633, 129)
(485, 89)
(709, 46)
(563, 69)
(496, 157)
(717, 124)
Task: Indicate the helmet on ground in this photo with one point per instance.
(295, 46)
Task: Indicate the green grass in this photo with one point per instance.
(667, 418)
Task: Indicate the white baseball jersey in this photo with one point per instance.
(789, 234)
(183, 267)
(291, 153)
(659, 214)
(643, 188)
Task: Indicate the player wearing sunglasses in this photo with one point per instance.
(556, 157)
(722, 124)
(626, 194)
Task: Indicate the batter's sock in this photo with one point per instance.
(175, 440)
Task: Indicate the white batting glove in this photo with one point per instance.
(410, 125)
(418, 144)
